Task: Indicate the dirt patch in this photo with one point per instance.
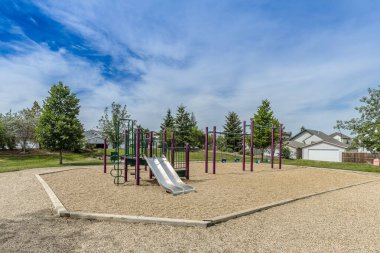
(230, 190)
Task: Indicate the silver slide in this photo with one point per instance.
(174, 176)
(166, 177)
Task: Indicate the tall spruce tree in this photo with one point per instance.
(264, 119)
(168, 122)
(59, 128)
(233, 130)
(183, 126)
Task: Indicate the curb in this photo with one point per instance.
(224, 218)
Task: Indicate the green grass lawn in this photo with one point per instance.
(334, 165)
(17, 162)
(14, 162)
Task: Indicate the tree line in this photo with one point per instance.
(55, 126)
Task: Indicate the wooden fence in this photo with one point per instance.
(351, 157)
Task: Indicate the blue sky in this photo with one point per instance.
(312, 59)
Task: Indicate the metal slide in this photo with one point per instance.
(165, 176)
(174, 176)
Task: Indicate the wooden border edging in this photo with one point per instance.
(224, 218)
(58, 206)
(62, 212)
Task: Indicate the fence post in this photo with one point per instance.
(251, 148)
(105, 156)
(272, 147)
(150, 151)
(125, 156)
(243, 144)
(137, 172)
(206, 150)
(280, 151)
(214, 150)
(187, 161)
(172, 150)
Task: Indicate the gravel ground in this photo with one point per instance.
(228, 191)
(342, 221)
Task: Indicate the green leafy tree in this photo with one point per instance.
(183, 126)
(59, 128)
(233, 130)
(366, 127)
(9, 121)
(2, 134)
(264, 119)
(108, 124)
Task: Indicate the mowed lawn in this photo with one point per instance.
(14, 162)
(19, 161)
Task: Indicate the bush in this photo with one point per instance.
(286, 153)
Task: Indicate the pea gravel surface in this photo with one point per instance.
(347, 220)
(230, 190)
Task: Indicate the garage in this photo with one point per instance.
(330, 155)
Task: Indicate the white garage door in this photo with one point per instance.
(330, 155)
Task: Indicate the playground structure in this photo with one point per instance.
(243, 139)
(144, 148)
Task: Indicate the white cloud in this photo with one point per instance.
(211, 60)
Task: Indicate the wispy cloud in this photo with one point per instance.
(312, 60)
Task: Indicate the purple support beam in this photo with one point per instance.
(172, 150)
(187, 161)
(125, 156)
(252, 157)
(105, 156)
(280, 154)
(164, 145)
(272, 148)
(150, 151)
(206, 150)
(214, 150)
(243, 144)
(137, 172)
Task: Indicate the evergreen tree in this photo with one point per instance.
(302, 129)
(183, 126)
(366, 128)
(194, 123)
(59, 128)
(108, 124)
(168, 122)
(233, 130)
(264, 119)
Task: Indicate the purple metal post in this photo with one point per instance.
(243, 144)
(150, 151)
(272, 148)
(164, 145)
(105, 156)
(206, 150)
(125, 156)
(280, 155)
(214, 150)
(187, 161)
(137, 171)
(172, 150)
(252, 157)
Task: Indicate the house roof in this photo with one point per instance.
(341, 145)
(340, 134)
(325, 138)
(295, 144)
